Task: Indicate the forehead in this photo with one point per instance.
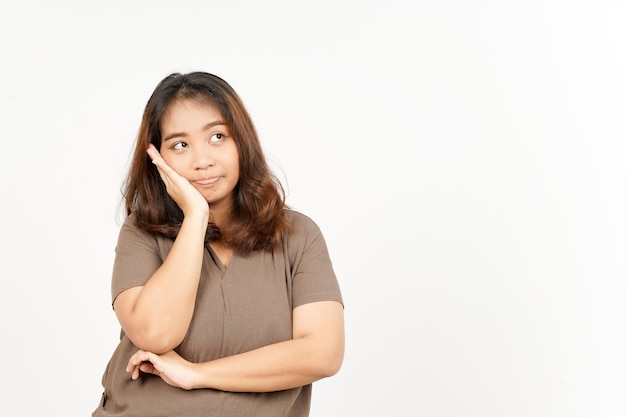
(189, 113)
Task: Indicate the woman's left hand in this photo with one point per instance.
(170, 366)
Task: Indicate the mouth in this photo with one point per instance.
(207, 181)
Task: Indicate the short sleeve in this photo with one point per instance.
(137, 256)
(313, 276)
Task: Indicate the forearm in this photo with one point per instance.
(158, 317)
(275, 367)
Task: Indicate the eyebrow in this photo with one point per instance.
(183, 134)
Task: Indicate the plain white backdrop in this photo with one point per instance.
(464, 159)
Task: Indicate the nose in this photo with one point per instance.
(202, 158)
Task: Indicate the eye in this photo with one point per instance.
(216, 137)
(179, 145)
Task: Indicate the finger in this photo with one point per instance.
(148, 368)
(153, 153)
(133, 370)
(164, 169)
(136, 359)
(157, 159)
(135, 362)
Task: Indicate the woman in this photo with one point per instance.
(227, 299)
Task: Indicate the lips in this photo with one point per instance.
(207, 181)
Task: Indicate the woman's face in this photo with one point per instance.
(198, 145)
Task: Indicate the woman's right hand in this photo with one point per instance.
(170, 366)
(182, 192)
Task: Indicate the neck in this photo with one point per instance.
(220, 214)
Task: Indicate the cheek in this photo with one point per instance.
(234, 163)
(175, 163)
(232, 159)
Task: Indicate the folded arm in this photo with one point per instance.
(315, 352)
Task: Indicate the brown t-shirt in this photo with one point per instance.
(243, 307)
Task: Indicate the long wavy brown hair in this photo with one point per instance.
(258, 219)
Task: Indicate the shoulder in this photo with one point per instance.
(131, 228)
(132, 234)
(301, 224)
(304, 238)
(297, 217)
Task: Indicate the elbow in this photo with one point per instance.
(158, 347)
(156, 341)
(329, 363)
(325, 355)
(332, 366)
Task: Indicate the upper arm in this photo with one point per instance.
(313, 276)
(137, 257)
(123, 305)
(322, 323)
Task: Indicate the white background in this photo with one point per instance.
(464, 159)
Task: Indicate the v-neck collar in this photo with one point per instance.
(218, 262)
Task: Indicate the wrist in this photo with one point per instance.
(199, 375)
(197, 217)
